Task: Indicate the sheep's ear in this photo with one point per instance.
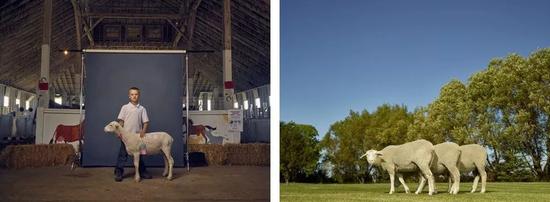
(379, 154)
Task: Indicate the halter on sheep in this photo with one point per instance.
(156, 142)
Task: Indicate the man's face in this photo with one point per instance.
(133, 95)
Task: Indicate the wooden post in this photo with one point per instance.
(45, 57)
(229, 87)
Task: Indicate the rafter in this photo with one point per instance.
(190, 13)
(77, 25)
(77, 10)
(132, 15)
(20, 38)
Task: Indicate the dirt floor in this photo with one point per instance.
(223, 183)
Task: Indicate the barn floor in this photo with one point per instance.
(227, 183)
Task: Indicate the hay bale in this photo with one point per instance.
(234, 154)
(215, 154)
(42, 155)
(248, 154)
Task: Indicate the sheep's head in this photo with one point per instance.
(373, 157)
(112, 127)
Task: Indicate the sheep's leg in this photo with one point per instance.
(450, 182)
(171, 165)
(136, 165)
(481, 171)
(432, 180)
(165, 173)
(400, 176)
(429, 176)
(483, 181)
(474, 186)
(421, 185)
(455, 175)
(168, 155)
(392, 180)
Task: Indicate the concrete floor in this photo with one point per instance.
(227, 183)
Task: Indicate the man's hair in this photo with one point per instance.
(134, 88)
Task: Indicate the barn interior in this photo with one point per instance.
(43, 96)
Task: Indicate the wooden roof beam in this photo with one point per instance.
(132, 16)
(76, 9)
(77, 24)
(191, 23)
(191, 14)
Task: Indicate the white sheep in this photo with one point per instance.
(408, 157)
(446, 159)
(473, 157)
(155, 143)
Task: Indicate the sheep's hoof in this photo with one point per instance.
(137, 179)
(416, 192)
(473, 191)
(407, 191)
(164, 174)
(483, 191)
(169, 178)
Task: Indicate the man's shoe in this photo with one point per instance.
(145, 175)
(118, 175)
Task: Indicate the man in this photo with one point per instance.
(133, 117)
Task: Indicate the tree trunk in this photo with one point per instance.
(538, 169)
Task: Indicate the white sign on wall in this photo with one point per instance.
(235, 120)
(212, 127)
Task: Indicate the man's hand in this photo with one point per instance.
(142, 132)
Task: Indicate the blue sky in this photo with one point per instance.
(346, 55)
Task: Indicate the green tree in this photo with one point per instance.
(449, 114)
(298, 151)
(504, 107)
(342, 146)
(420, 127)
(510, 109)
(348, 139)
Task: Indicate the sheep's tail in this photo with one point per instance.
(210, 127)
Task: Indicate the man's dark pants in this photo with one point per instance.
(123, 156)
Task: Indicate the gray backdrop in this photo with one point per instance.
(108, 77)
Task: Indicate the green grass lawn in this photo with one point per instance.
(495, 191)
